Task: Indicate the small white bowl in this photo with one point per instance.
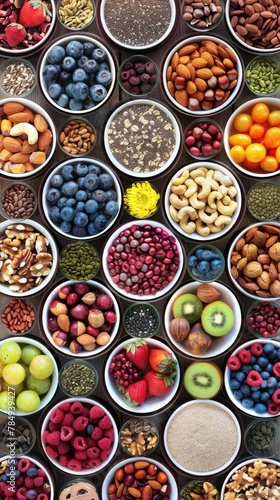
(251, 412)
(151, 404)
(89, 403)
(36, 109)
(46, 314)
(202, 447)
(46, 398)
(219, 344)
(231, 265)
(8, 288)
(246, 107)
(197, 40)
(134, 295)
(243, 466)
(201, 235)
(109, 478)
(122, 161)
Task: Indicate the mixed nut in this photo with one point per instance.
(202, 15)
(139, 436)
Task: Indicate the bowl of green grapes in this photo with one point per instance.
(29, 376)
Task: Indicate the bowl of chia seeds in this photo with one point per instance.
(263, 200)
(141, 319)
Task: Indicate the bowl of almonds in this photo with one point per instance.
(76, 136)
(202, 76)
(253, 261)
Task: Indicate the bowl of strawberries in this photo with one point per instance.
(142, 376)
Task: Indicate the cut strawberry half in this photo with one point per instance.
(15, 34)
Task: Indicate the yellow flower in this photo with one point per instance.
(141, 199)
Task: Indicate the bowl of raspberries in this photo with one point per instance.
(252, 378)
(79, 436)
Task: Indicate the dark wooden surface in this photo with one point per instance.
(98, 119)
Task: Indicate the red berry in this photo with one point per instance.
(276, 369)
(244, 355)
(273, 408)
(276, 396)
(257, 349)
(253, 378)
(234, 363)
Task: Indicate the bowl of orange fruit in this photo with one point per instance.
(252, 138)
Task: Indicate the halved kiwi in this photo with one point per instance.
(187, 306)
(217, 318)
(203, 379)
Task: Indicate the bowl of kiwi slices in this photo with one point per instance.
(203, 320)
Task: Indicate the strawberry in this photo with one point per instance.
(135, 393)
(137, 353)
(15, 34)
(158, 383)
(33, 13)
(161, 360)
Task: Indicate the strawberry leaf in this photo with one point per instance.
(132, 346)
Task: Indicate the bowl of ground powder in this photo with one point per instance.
(202, 437)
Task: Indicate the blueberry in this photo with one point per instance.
(65, 76)
(66, 226)
(92, 229)
(68, 214)
(198, 253)
(75, 105)
(106, 181)
(256, 395)
(54, 214)
(262, 361)
(54, 90)
(32, 472)
(63, 100)
(52, 195)
(240, 376)
(99, 195)
(81, 182)
(264, 375)
(245, 389)
(89, 103)
(100, 222)
(80, 207)
(81, 168)
(216, 265)
(206, 255)
(91, 206)
(237, 394)
(104, 77)
(271, 382)
(81, 195)
(62, 202)
(203, 266)
(69, 63)
(50, 72)
(111, 195)
(79, 75)
(71, 202)
(57, 180)
(257, 367)
(247, 402)
(89, 429)
(70, 188)
(69, 89)
(99, 54)
(192, 260)
(104, 65)
(264, 384)
(80, 91)
(234, 384)
(56, 54)
(82, 61)
(79, 232)
(98, 92)
(111, 208)
(80, 219)
(88, 48)
(94, 169)
(74, 49)
(91, 181)
(31, 494)
(91, 66)
(265, 396)
(260, 408)
(269, 348)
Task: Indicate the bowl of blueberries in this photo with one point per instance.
(77, 73)
(81, 198)
(205, 263)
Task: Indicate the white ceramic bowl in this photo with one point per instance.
(231, 265)
(88, 234)
(219, 344)
(122, 14)
(199, 231)
(182, 423)
(38, 465)
(63, 41)
(151, 404)
(134, 295)
(109, 478)
(47, 31)
(234, 93)
(46, 314)
(246, 46)
(273, 105)
(250, 411)
(89, 403)
(46, 398)
(126, 158)
(244, 465)
(36, 109)
(40, 279)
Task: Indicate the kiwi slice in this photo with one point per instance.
(187, 306)
(217, 318)
(203, 379)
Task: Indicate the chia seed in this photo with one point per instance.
(137, 22)
(141, 320)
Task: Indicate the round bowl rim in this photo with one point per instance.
(207, 246)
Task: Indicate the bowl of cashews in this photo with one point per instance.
(203, 201)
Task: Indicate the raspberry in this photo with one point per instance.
(96, 412)
(23, 465)
(104, 443)
(234, 363)
(65, 407)
(63, 447)
(105, 454)
(276, 369)
(79, 443)
(110, 434)
(56, 416)
(9, 491)
(51, 452)
(244, 355)
(93, 452)
(81, 455)
(38, 482)
(273, 408)
(54, 438)
(42, 496)
(92, 463)
(75, 464)
(105, 422)
(90, 442)
(276, 396)
(80, 423)
(53, 427)
(19, 481)
(45, 436)
(68, 419)
(41, 473)
(77, 408)
(257, 349)
(253, 378)
(29, 483)
(85, 412)
(63, 460)
(97, 433)
(66, 433)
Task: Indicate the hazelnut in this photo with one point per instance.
(179, 329)
(96, 318)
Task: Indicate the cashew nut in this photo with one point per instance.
(177, 202)
(180, 180)
(222, 220)
(232, 191)
(222, 178)
(213, 196)
(206, 187)
(178, 189)
(201, 228)
(214, 184)
(25, 128)
(226, 209)
(226, 199)
(198, 172)
(192, 188)
(174, 214)
(222, 189)
(187, 226)
(195, 203)
(214, 229)
(208, 219)
(190, 211)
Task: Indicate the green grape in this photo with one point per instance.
(28, 401)
(17, 388)
(25, 366)
(28, 352)
(41, 367)
(39, 386)
(13, 373)
(4, 399)
(10, 352)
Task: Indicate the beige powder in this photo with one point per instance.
(202, 437)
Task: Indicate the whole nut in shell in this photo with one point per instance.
(207, 293)
(274, 252)
(179, 329)
(253, 269)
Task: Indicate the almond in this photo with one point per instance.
(228, 63)
(187, 49)
(12, 107)
(45, 140)
(169, 73)
(11, 144)
(134, 492)
(204, 73)
(250, 234)
(198, 95)
(222, 51)
(183, 71)
(171, 88)
(239, 244)
(63, 322)
(191, 87)
(217, 71)
(199, 62)
(209, 58)
(141, 464)
(40, 123)
(270, 241)
(20, 117)
(181, 97)
(175, 60)
(191, 69)
(271, 229)
(207, 293)
(27, 148)
(19, 158)
(30, 114)
(211, 47)
(184, 59)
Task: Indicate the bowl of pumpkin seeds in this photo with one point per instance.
(262, 438)
(262, 75)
